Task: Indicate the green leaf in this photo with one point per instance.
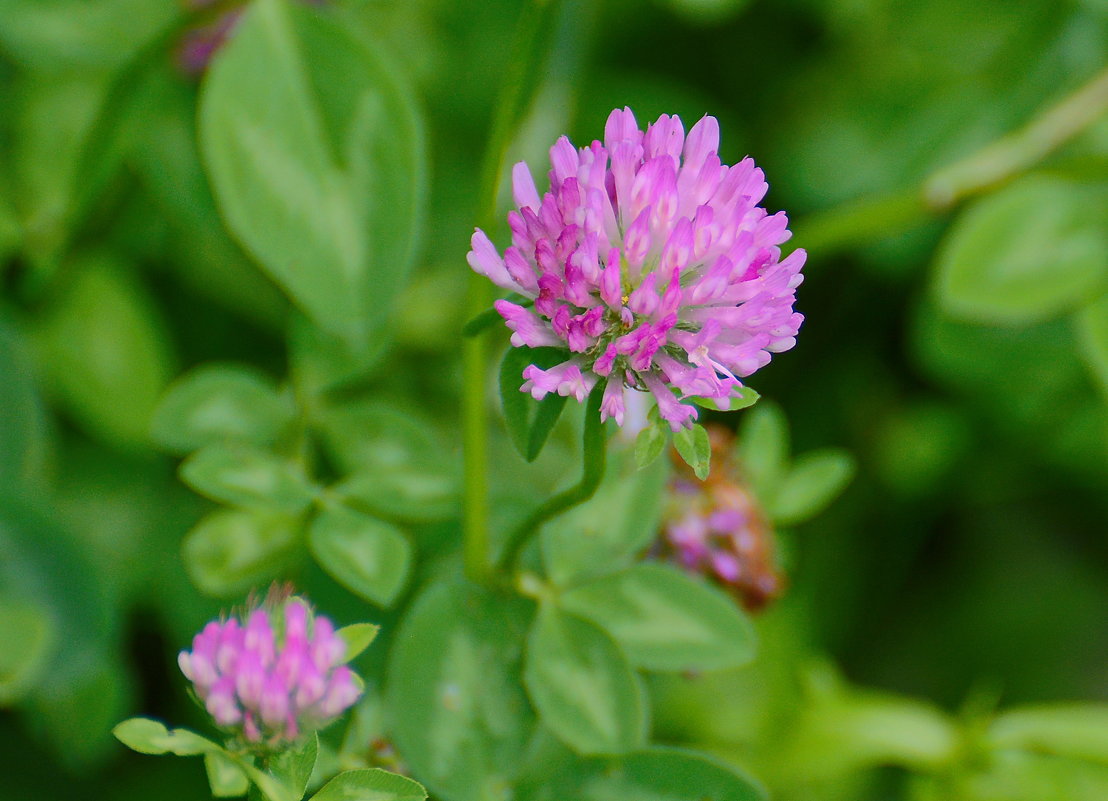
(763, 448)
(420, 491)
(294, 766)
(607, 532)
(242, 475)
(225, 777)
(670, 774)
(453, 699)
(695, 448)
(106, 350)
(375, 437)
(370, 785)
(229, 552)
(358, 637)
(1069, 730)
(29, 637)
(1092, 336)
(746, 398)
(582, 686)
(1026, 253)
(816, 479)
(706, 12)
(320, 361)
(529, 422)
(665, 620)
(24, 437)
(650, 443)
(320, 179)
(219, 403)
(152, 737)
(369, 557)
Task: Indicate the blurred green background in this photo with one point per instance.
(967, 565)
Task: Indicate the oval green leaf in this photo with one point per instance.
(695, 448)
(320, 179)
(219, 403)
(1092, 336)
(762, 448)
(29, 636)
(1026, 253)
(582, 685)
(670, 774)
(229, 552)
(242, 475)
(453, 699)
(816, 479)
(369, 557)
(665, 620)
(225, 778)
(370, 785)
(152, 737)
(529, 421)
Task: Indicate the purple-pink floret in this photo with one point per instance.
(652, 263)
(271, 686)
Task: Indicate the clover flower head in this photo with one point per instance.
(272, 675)
(651, 263)
(716, 528)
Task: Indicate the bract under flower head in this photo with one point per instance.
(272, 675)
(652, 263)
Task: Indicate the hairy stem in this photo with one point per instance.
(593, 452)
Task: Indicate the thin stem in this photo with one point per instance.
(528, 53)
(594, 458)
(863, 220)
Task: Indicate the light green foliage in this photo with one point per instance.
(30, 639)
(244, 476)
(370, 785)
(693, 446)
(611, 530)
(816, 479)
(1077, 731)
(453, 701)
(1026, 253)
(763, 447)
(219, 403)
(417, 492)
(319, 176)
(670, 774)
(745, 398)
(650, 443)
(107, 350)
(24, 443)
(358, 637)
(1092, 334)
(152, 737)
(369, 557)
(582, 686)
(529, 421)
(665, 620)
(225, 778)
(230, 551)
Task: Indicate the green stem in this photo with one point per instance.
(594, 458)
(527, 52)
(862, 221)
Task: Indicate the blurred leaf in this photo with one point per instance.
(29, 638)
(321, 179)
(705, 12)
(219, 403)
(225, 778)
(693, 446)
(79, 34)
(650, 443)
(369, 557)
(453, 698)
(416, 493)
(23, 437)
(107, 352)
(582, 686)
(665, 620)
(321, 362)
(1068, 730)
(358, 637)
(1026, 253)
(746, 398)
(763, 448)
(1092, 335)
(378, 437)
(529, 422)
(229, 552)
(370, 785)
(293, 767)
(606, 533)
(670, 774)
(242, 475)
(152, 737)
(816, 479)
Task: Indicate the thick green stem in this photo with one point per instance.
(594, 457)
(861, 221)
(527, 54)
